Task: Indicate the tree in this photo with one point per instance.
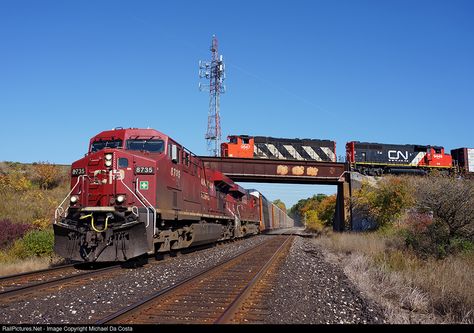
(306, 211)
(303, 205)
(451, 202)
(327, 209)
(280, 204)
(385, 203)
(47, 175)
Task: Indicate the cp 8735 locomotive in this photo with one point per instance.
(138, 191)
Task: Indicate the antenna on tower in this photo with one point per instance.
(214, 71)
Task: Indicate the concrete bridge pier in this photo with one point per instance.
(343, 216)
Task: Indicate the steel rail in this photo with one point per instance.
(233, 307)
(137, 306)
(45, 270)
(41, 285)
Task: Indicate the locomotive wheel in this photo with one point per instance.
(136, 262)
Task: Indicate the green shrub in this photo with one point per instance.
(442, 221)
(38, 243)
(386, 203)
(14, 181)
(326, 210)
(462, 245)
(312, 220)
(47, 175)
(11, 231)
(451, 202)
(17, 250)
(435, 241)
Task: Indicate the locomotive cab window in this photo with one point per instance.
(152, 146)
(123, 162)
(233, 139)
(186, 158)
(102, 144)
(245, 141)
(175, 151)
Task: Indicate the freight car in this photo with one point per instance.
(377, 158)
(138, 191)
(279, 148)
(464, 161)
(271, 216)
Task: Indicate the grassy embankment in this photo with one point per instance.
(29, 194)
(418, 263)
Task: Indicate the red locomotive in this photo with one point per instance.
(138, 191)
(279, 148)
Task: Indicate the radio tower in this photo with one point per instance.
(214, 71)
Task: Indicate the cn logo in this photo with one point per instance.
(397, 155)
(245, 146)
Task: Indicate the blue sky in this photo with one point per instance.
(380, 71)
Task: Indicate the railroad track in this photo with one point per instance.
(13, 281)
(19, 286)
(214, 295)
(22, 285)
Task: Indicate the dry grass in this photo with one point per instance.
(450, 284)
(27, 265)
(369, 243)
(28, 206)
(410, 289)
(29, 202)
(24, 199)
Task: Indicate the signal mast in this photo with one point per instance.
(214, 71)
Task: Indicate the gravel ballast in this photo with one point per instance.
(88, 304)
(310, 290)
(307, 290)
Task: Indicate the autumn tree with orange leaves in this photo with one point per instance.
(47, 175)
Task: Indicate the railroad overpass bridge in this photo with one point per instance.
(294, 172)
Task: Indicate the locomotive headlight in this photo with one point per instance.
(120, 198)
(74, 199)
(108, 157)
(108, 162)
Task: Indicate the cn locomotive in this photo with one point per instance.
(279, 148)
(376, 159)
(367, 158)
(138, 191)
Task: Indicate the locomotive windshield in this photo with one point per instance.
(153, 146)
(101, 144)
